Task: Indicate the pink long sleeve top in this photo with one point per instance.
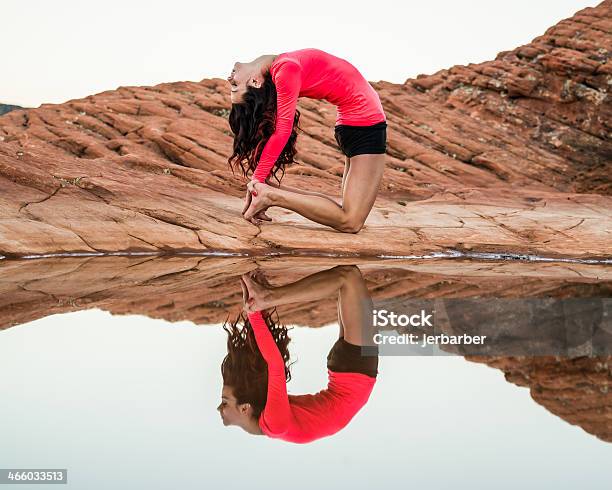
(305, 418)
(316, 74)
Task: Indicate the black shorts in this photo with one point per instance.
(348, 358)
(357, 140)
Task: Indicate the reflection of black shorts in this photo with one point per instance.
(347, 358)
(357, 140)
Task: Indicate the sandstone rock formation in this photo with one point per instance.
(510, 155)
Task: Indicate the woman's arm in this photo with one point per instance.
(322, 284)
(277, 412)
(288, 81)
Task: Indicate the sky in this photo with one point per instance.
(66, 49)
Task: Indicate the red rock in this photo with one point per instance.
(145, 168)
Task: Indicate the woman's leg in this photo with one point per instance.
(360, 187)
(355, 351)
(347, 166)
(312, 193)
(355, 309)
(305, 192)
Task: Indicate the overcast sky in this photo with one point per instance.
(65, 49)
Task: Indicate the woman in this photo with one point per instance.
(264, 120)
(255, 371)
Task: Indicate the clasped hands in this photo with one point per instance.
(247, 211)
(255, 291)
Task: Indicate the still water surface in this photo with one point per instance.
(130, 402)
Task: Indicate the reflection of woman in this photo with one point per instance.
(261, 405)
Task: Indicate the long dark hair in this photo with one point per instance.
(253, 121)
(244, 368)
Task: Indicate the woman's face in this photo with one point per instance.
(241, 77)
(231, 412)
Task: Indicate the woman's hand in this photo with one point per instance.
(255, 289)
(261, 215)
(247, 201)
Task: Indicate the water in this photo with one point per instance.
(128, 400)
(448, 254)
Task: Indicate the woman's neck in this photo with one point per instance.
(252, 427)
(264, 61)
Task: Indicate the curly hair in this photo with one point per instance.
(244, 368)
(253, 121)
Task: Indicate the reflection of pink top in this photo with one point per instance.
(315, 74)
(304, 418)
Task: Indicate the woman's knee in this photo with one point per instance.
(350, 224)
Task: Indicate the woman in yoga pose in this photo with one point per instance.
(255, 370)
(264, 120)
